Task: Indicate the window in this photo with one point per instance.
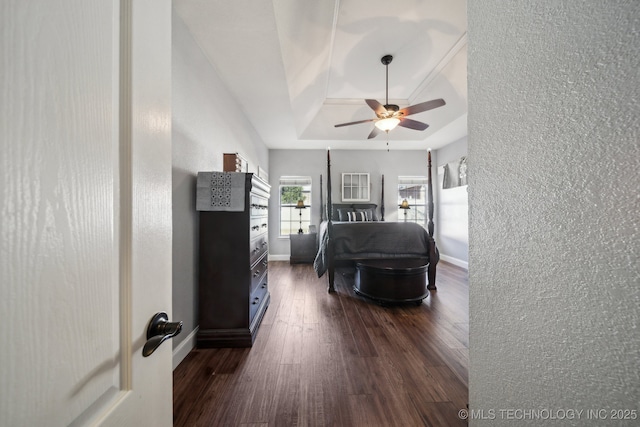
(414, 190)
(355, 187)
(292, 189)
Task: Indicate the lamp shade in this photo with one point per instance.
(300, 204)
(405, 204)
(387, 124)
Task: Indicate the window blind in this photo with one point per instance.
(412, 180)
(295, 180)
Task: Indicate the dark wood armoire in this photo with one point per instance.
(233, 246)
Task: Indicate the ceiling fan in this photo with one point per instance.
(390, 115)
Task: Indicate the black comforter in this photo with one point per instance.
(356, 240)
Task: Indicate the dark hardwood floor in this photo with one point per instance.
(336, 360)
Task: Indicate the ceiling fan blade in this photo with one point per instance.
(376, 106)
(374, 133)
(354, 123)
(412, 124)
(423, 106)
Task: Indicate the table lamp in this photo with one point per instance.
(300, 206)
(405, 206)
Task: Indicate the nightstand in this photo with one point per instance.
(303, 248)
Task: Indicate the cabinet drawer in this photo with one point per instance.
(259, 205)
(257, 297)
(257, 247)
(257, 272)
(258, 226)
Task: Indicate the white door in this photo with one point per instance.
(85, 212)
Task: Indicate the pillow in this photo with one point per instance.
(368, 214)
(356, 216)
(343, 214)
(370, 206)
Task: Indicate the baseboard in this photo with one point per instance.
(455, 261)
(278, 257)
(183, 349)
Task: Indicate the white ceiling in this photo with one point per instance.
(298, 67)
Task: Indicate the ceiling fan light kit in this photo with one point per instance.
(387, 124)
(390, 115)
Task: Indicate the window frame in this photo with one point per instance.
(294, 214)
(418, 209)
(362, 187)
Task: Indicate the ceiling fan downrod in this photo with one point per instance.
(386, 60)
(391, 108)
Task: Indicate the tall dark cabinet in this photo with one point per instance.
(233, 245)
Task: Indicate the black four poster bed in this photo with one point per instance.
(353, 233)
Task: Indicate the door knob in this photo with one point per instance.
(158, 331)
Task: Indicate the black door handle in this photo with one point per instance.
(158, 331)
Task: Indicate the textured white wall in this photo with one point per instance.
(554, 207)
(207, 122)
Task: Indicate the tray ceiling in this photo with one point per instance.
(298, 67)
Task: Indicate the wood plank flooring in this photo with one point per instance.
(323, 359)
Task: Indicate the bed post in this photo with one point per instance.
(382, 201)
(434, 255)
(321, 202)
(430, 193)
(330, 249)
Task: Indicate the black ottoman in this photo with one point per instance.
(392, 280)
